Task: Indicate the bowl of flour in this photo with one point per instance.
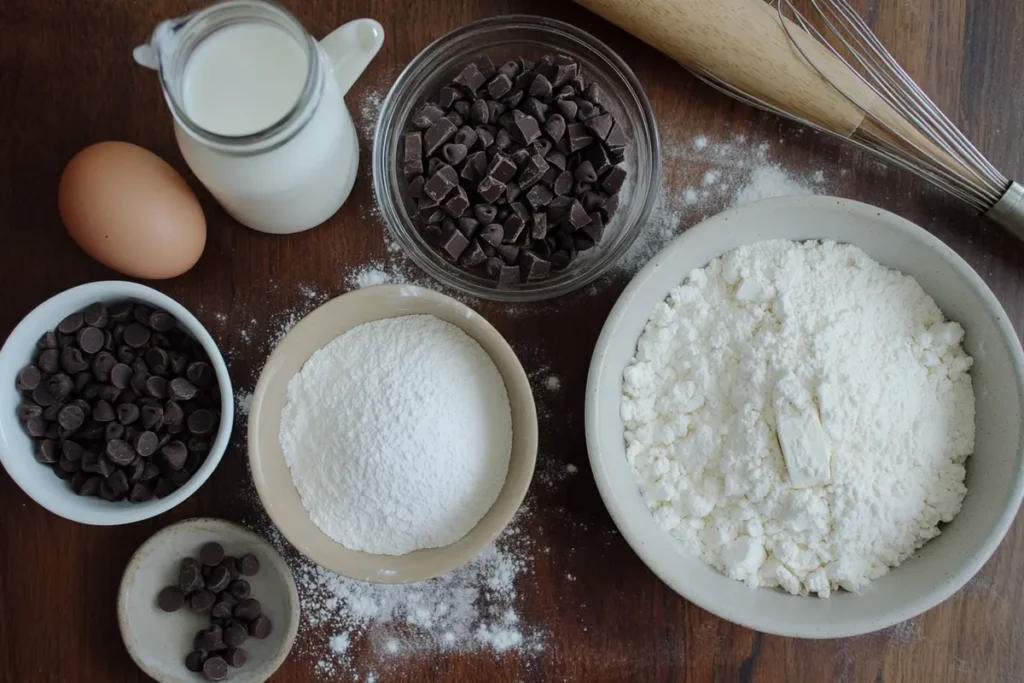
(392, 434)
(805, 416)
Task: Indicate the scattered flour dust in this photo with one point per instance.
(472, 609)
(799, 416)
(703, 176)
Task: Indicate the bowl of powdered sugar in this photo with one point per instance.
(809, 398)
(392, 434)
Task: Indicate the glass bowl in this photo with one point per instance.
(502, 39)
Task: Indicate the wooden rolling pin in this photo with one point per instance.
(742, 42)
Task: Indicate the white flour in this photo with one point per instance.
(819, 336)
(398, 435)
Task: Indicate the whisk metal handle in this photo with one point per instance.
(1009, 210)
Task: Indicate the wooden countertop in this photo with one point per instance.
(67, 79)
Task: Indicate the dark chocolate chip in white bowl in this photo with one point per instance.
(240, 589)
(170, 599)
(202, 601)
(71, 324)
(215, 669)
(195, 659)
(260, 627)
(249, 565)
(236, 657)
(211, 554)
(174, 454)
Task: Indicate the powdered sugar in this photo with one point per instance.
(781, 362)
(367, 433)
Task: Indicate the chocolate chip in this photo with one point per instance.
(72, 361)
(71, 323)
(239, 589)
(235, 635)
(29, 378)
(533, 172)
(170, 599)
(427, 115)
(119, 451)
(71, 417)
(211, 554)
(248, 609)
(539, 196)
(49, 360)
(235, 657)
(118, 481)
(174, 454)
(215, 669)
(438, 134)
(194, 660)
(470, 79)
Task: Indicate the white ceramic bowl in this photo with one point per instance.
(995, 473)
(16, 455)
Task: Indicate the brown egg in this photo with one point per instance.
(128, 209)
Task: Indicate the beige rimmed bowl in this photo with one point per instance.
(274, 480)
(158, 641)
(995, 473)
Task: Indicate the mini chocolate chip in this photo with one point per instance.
(120, 452)
(215, 669)
(170, 599)
(118, 482)
(71, 417)
(136, 336)
(46, 452)
(248, 609)
(174, 455)
(194, 660)
(90, 339)
(71, 324)
(260, 627)
(240, 589)
(249, 565)
(29, 378)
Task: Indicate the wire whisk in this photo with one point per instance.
(901, 124)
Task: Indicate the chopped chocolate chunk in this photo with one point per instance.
(539, 226)
(502, 168)
(447, 98)
(438, 134)
(440, 184)
(457, 204)
(490, 189)
(500, 85)
(578, 137)
(454, 243)
(613, 179)
(535, 168)
(468, 226)
(601, 125)
(473, 256)
(508, 275)
(539, 196)
(535, 108)
(598, 157)
(532, 267)
(525, 130)
(427, 116)
(595, 228)
(616, 138)
(470, 79)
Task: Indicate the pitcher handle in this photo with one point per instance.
(350, 48)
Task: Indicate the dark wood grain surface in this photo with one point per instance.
(67, 79)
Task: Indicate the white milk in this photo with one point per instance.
(242, 79)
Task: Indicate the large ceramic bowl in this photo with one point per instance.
(16, 447)
(274, 480)
(995, 473)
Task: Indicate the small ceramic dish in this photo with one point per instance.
(16, 448)
(158, 641)
(274, 480)
(995, 472)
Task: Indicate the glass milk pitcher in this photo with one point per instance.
(259, 110)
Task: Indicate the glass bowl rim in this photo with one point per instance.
(384, 168)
